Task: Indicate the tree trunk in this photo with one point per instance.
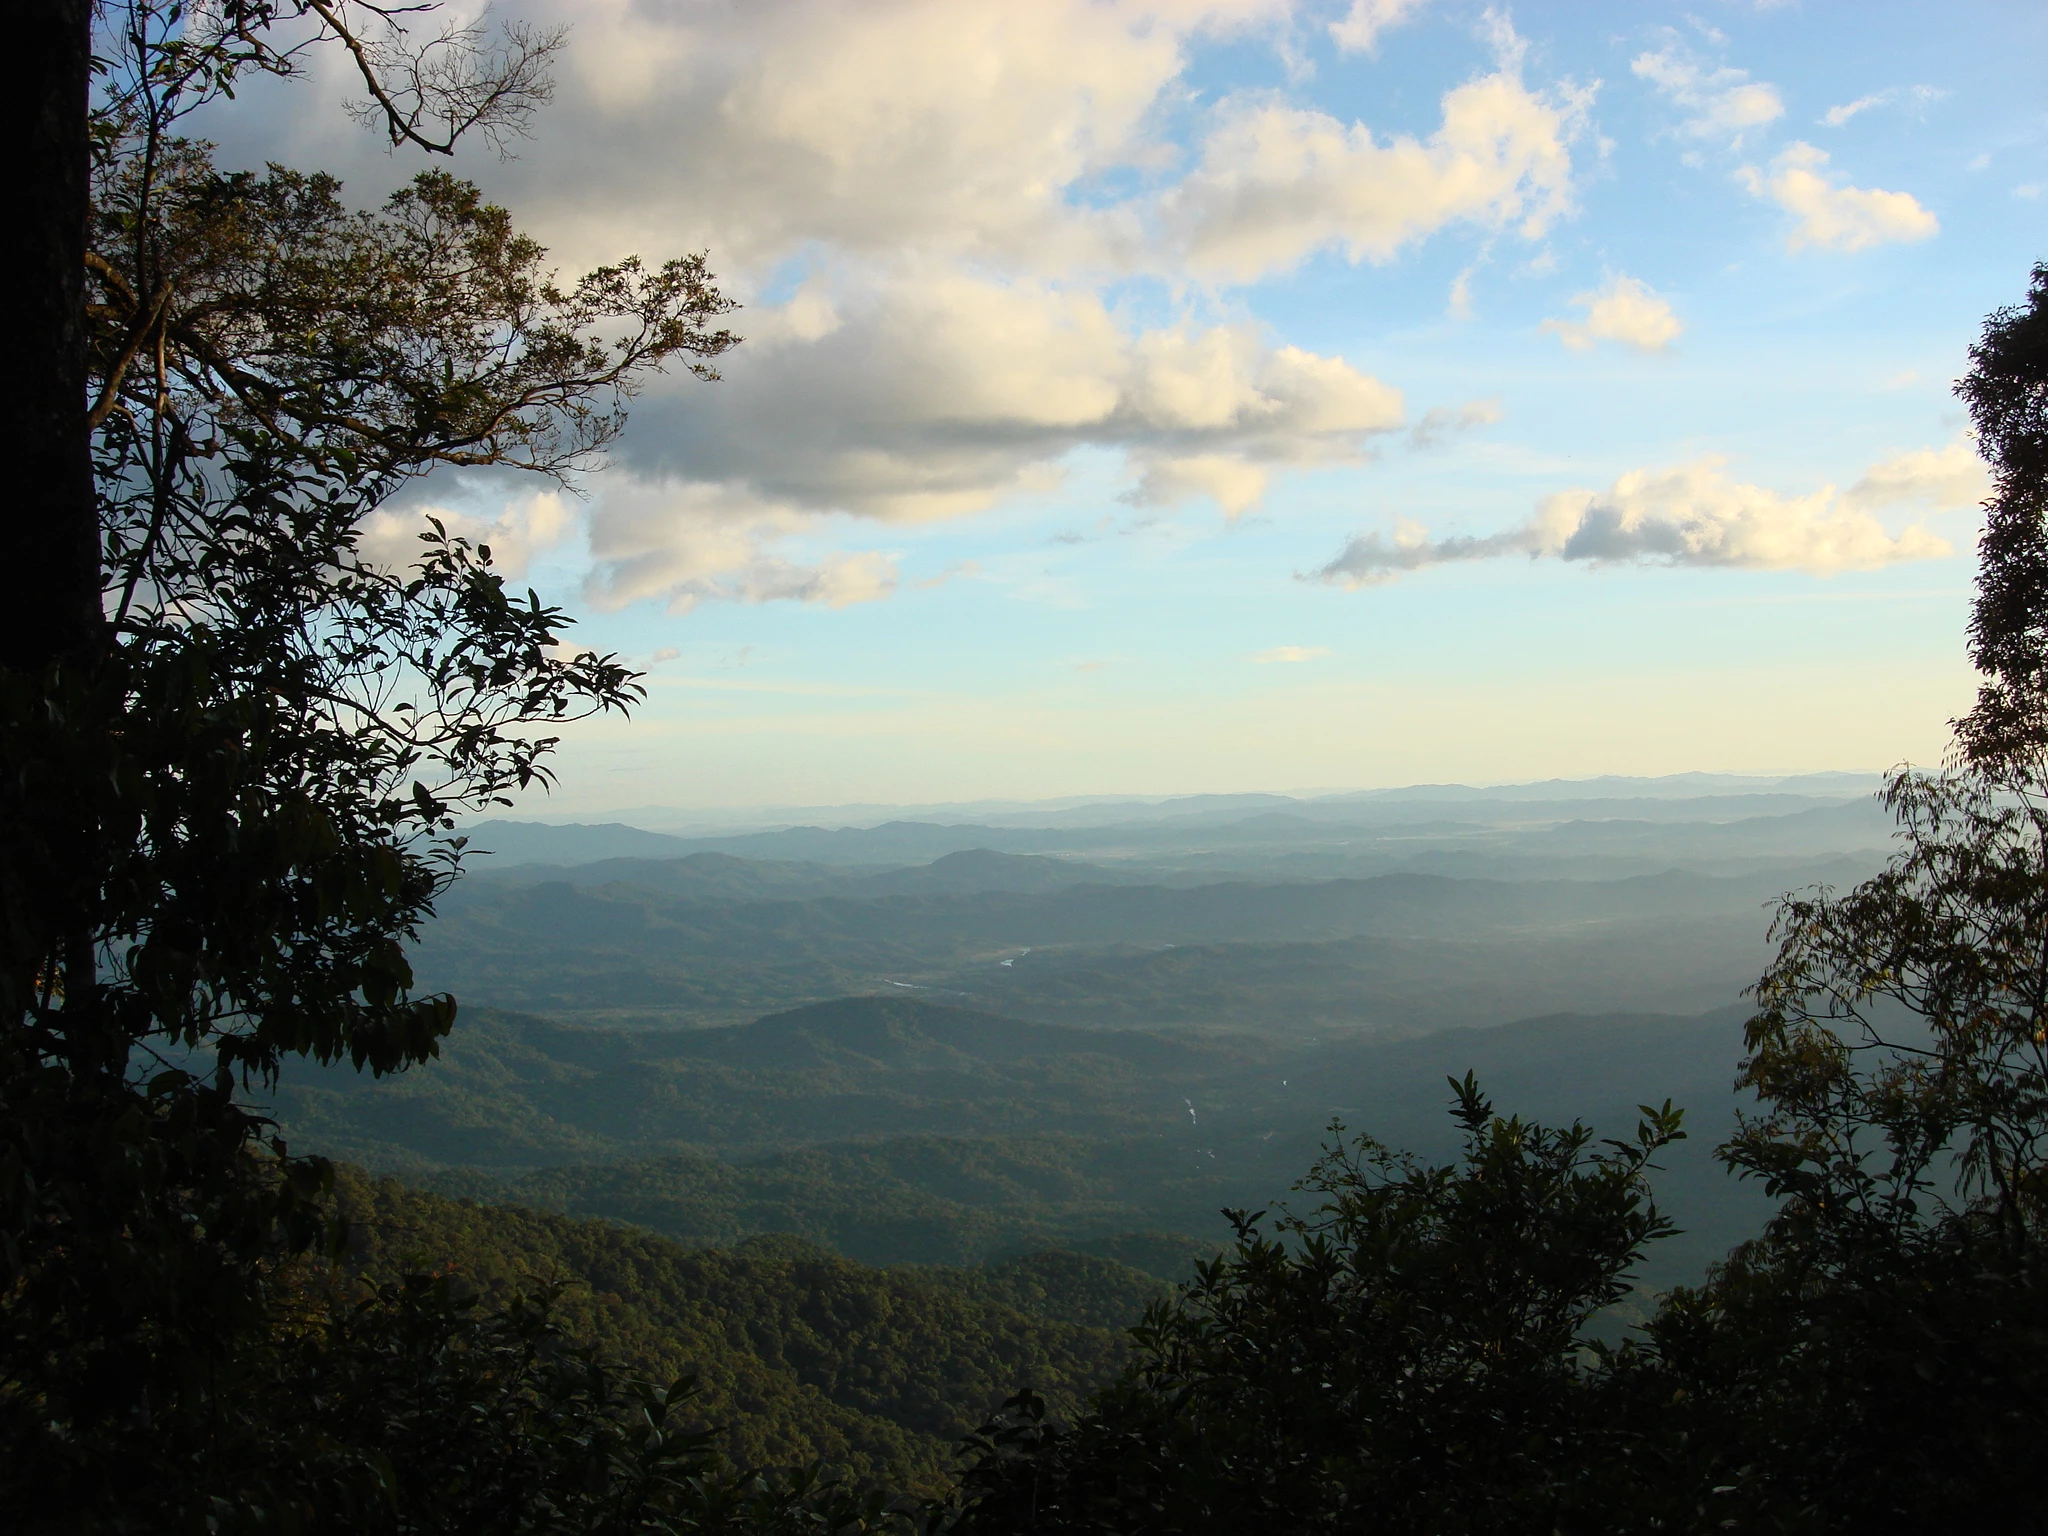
(49, 528)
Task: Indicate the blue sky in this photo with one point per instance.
(1182, 396)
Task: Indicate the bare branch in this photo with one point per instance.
(430, 94)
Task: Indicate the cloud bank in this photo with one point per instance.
(950, 339)
(937, 213)
(1695, 515)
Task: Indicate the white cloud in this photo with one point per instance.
(1459, 303)
(1622, 309)
(1440, 421)
(1723, 104)
(1835, 117)
(683, 543)
(523, 528)
(958, 569)
(1832, 217)
(936, 125)
(936, 212)
(941, 397)
(1359, 29)
(1695, 515)
(1277, 183)
(1291, 653)
(1232, 484)
(1941, 479)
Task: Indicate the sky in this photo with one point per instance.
(1160, 396)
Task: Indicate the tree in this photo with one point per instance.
(1410, 1356)
(409, 1408)
(50, 528)
(2006, 391)
(1878, 1359)
(425, 91)
(223, 813)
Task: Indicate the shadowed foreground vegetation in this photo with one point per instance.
(799, 1355)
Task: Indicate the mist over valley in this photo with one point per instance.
(912, 1038)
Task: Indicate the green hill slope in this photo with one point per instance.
(1402, 950)
(802, 1354)
(898, 1131)
(516, 1091)
(904, 1200)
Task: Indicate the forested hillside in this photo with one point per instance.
(1393, 952)
(1596, 829)
(801, 1354)
(898, 1131)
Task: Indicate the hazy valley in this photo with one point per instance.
(937, 1041)
(1086, 1031)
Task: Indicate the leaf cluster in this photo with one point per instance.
(2006, 394)
(1414, 1354)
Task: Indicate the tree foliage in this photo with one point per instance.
(222, 818)
(2006, 392)
(801, 1355)
(1412, 1355)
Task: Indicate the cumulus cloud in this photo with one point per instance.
(959, 568)
(1291, 653)
(523, 528)
(683, 543)
(1277, 183)
(1359, 29)
(1231, 483)
(1831, 216)
(954, 125)
(934, 211)
(1941, 479)
(1458, 302)
(1835, 117)
(939, 398)
(1622, 309)
(1723, 104)
(1695, 515)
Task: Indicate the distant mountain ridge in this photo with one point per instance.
(505, 844)
(1089, 810)
(728, 877)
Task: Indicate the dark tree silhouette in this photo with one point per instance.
(231, 745)
(2006, 391)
